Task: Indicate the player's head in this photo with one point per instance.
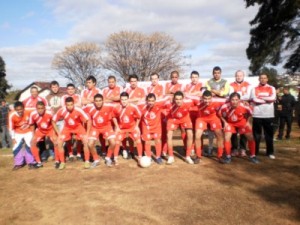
(111, 80)
(19, 108)
(234, 99)
(124, 98)
(133, 80)
(239, 76)
(178, 98)
(98, 100)
(90, 82)
(194, 77)
(69, 103)
(40, 107)
(71, 89)
(207, 97)
(286, 90)
(263, 79)
(174, 76)
(54, 86)
(150, 99)
(34, 92)
(154, 78)
(217, 72)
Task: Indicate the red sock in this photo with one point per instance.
(251, 146)
(109, 152)
(62, 156)
(220, 152)
(184, 139)
(116, 150)
(139, 147)
(35, 153)
(86, 154)
(94, 154)
(56, 154)
(227, 146)
(148, 150)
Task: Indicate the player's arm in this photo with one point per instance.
(256, 99)
(271, 98)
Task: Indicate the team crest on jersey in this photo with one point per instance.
(100, 119)
(152, 115)
(71, 122)
(206, 112)
(233, 118)
(44, 125)
(179, 115)
(126, 119)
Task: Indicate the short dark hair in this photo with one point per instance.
(217, 68)
(178, 93)
(34, 87)
(98, 96)
(124, 94)
(111, 77)
(150, 95)
(53, 83)
(207, 93)
(70, 85)
(92, 78)
(69, 99)
(18, 104)
(234, 94)
(40, 103)
(152, 74)
(133, 76)
(195, 72)
(174, 72)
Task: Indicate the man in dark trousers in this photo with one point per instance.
(285, 111)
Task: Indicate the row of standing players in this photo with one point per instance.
(113, 115)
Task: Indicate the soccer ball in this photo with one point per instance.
(145, 162)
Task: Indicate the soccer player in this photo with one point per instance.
(178, 116)
(151, 124)
(42, 119)
(87, 95)
(112, 92)
(101, 119)
(135, 93)
(236, 117)
(207, 114)
(54, 98)
(73, 118)
(173, 86)
(21, 134)
(71, 92)
(155, 87)
(30, 102)
(126, 120)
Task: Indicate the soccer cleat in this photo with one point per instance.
(62, 166)
(108, 162)
(235, 153)
(226, 160)
(189, 160)
(272, 156)
(95, 164)
(254, 159)
(159, 161)
(78, 157)
(170, 160)
(125, 154)
(39, 165)
(33, 166)
(243, 153)
(197, 160)
(164, 155)
(56, 165)
(87, 165)
(71, 158)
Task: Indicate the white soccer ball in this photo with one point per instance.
(145, 161)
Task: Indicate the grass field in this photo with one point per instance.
(207, 193)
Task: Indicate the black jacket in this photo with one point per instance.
(287, 102)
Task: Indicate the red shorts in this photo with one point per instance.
(173, 124)
(133, 134)
(106, 134)
(39, 135)
(150, 136)
(242, 129)
(215, 124)
(66, 133)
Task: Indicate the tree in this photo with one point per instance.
(137, 53)
(272, 76)
(4, 86)
(275, 36)
(79, 61)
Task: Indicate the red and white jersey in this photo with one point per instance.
(180, 112)
(72, 119)
(108, 92)
(101, 118)
(30, 102)
(238, 115)
(135, 93)
(210, 111)
(18, 124)
(76, 98)
(242, 88)
(172, 88)
(192, 88)
(126, 116)
(90, 93)
(158, 90)
(43, 122)
(262, 98)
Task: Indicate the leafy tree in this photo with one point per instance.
(137, 53)
(275, 36)
(4, 86)
(272, 76)
(79, 61)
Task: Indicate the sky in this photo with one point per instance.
(213, 33)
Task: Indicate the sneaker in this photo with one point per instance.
(272, 156)
(39, 165)
(62, 166)
(71, 158)
(189, 160)
(33, 166)
(235, 153)
(87, 165)
(16, 167)
(164, 155)
(56, 165)
(243, 153)
(108, 162)
(78, 157)
(170, 160)
(95, 164)
(125, 154)
(226, 160)
(196, 160)
(254, 159)
(159, 161)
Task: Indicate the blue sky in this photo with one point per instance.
(212, 32)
